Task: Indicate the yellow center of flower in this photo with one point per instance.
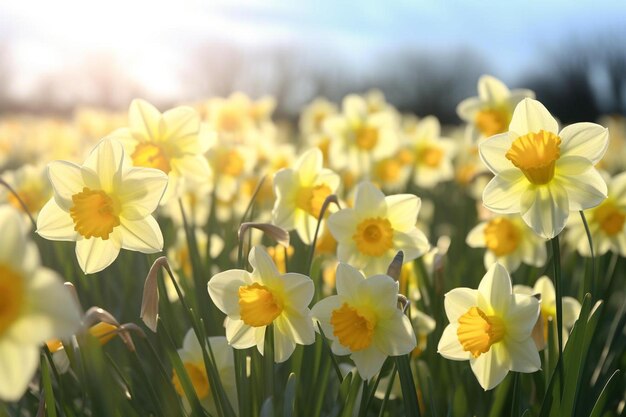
(374, 236)
(311, 199)
(431, 156)
(258, 306)
(151, 155)
(536, 154)
(95, 213)
(231, 163)
(405, 156)
(54, 345)
(501, 236)
(389, 170)
(609, 217)
(198, 377)
(477, 331)
(492, 121)
(353, 328)
(11, 296)
(366, 138)
(33, 199)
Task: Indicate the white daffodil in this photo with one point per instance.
(545, 288)
(431, 154)
(31, 185)
(173, 142)
(193, 361)
(370, 234)
(541, 172)
(104, 205)
(301, 192)
(509, 241)
(254, 300)
(607, 223)
(491, 327)
(363, 320)
(35, 306)
(490, 113)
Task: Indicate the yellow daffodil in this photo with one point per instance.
(363, 320)
(193, 361)
(231, 164)
(358, 137)
(607, 223)
(31, 184)
(104, 205)
(173, 142)
(313, 115)
(35, 306)
(545, 288)
(509, 241)
(614, 160)
(370, 234)
(432, 154)
(301, 192)
(541, 172)
(491, 327)
(253, 301)
(490, 113)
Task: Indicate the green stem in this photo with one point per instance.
(268, 359)
(409, 391)
(392, 379)
(556, 261)
(330, 199)
(590, 279)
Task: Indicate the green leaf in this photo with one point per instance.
(604, 395)
(289, 406)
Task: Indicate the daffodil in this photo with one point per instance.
(491, 327)
(509, 241)
(104, 205)
(254, 300)
(31, 185)
(363, 320)
(545, 288)
(490, 113)
(370, 234)
(432, 154)
(607, 223)
(541, 172)
(173, 142)
(193, 361)
(36, 307)
(301, 192)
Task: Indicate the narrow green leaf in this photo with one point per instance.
(598, 407)
(289, 406)
(47, 388)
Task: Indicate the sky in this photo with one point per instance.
(150, 40)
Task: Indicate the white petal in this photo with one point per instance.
(140, 192)
(299, 327)
(13, 241)
(141, 235)
(492, 367)
(428, 128)
(395, 336)
(380, 291)
(496, 289)
(369, 201)
(571, 311)
(95, 254)
(54, 223)
(143, 119)
(239, 334)
(522, 316)
(588, 140)
(585, 190)
(449, 346)
(66, 179)
(224, 290)
(305, 226)
(298, 289)
(348, 279)
(493, 150)
(182, 125)
(402, 211)
(368, 361)
(532, 116)
(503, 193)
(284, 216)
(18, 364)
(468, 108)
(262, 264)
(545, 209)
(51, 311)
(328, 177)
(492, 90)
(342, 224)
(106, 161)
(524, 355)
(413, 243)
(192, 167)
(348, 253)
(283, 346)
(458, 301)
(322, 312)
(545, 287)
(476, 237)
(308, 166)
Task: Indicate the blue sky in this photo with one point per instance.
(151, 38)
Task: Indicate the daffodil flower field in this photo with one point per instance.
(207, 260)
